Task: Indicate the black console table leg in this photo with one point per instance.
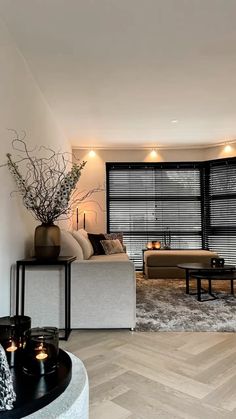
(17, 287)
(232, 286)
(66, 302)
(199, 289)
(23, 291)
(69, 299)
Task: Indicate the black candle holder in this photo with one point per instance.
(40, 354)
(12, 331)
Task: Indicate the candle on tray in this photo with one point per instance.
(40, 354)
(12, 331)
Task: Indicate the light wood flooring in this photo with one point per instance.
(146, 375)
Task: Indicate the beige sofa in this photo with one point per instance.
(163, 263)
(103, 289)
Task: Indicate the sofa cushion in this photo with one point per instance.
(112, 246)
(114, 236)
(70, 246)
(120, 257)
(83, 232)
(176, 257)
(84, 243)
(95, 240)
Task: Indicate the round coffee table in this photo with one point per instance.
(201, 271)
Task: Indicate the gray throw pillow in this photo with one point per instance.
(112, 246)
(114, 236)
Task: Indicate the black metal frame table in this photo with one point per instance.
(200, 271)
(64, 261)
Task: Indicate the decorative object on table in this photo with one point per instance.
(47, 241)
(7, 394)
(40, 354)
(46, 183)
(217, 262)
(153, 245)
(167, 239)
(12, 330)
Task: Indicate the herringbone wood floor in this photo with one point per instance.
(139, 375)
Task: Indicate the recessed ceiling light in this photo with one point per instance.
(153, 153)
(92, 153)
(227, 148)
(174, 121)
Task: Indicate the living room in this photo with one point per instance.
(137, 82)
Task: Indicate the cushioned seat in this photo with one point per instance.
(163, 263)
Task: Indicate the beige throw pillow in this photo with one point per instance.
(70, 246)
(84, 243)
(112, 246)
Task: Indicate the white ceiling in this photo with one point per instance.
(117, 72)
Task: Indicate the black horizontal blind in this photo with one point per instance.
(146, 201)
(222, 202)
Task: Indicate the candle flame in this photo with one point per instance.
(12, 348)
(42, 354)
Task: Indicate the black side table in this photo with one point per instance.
(64, 261)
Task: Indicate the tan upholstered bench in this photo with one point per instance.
(163, 263)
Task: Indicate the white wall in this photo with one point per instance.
(22, 107)
(95, 174)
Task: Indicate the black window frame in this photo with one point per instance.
(207, 209)
(167, 166)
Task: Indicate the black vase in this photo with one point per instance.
(47, 239)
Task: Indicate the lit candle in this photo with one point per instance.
(77, 218)
(42, 354)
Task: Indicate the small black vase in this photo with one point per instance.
(47, 239)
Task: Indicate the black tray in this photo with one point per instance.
(33, 393)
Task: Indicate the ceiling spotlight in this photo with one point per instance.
(227, 148)
(92, 153)
(153, 153)
(174, 121)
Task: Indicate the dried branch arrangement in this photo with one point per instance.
(46, 183)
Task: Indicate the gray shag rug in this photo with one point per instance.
(163, 305)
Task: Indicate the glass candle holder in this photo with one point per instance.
(149, 245)
(12, 332)
(40, 354)
(157, 245)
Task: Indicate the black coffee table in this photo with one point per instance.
(200, 271)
